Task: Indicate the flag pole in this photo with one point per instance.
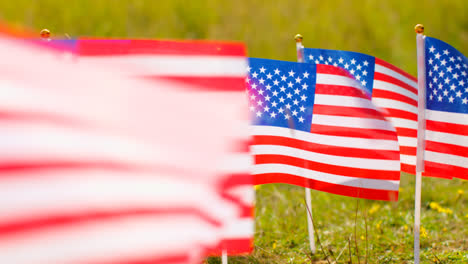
(224, 257)
(310, 226)
(420, 136)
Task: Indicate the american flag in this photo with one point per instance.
(97, 167)
(446, 153)
(315, 127)
(216, 68)
(391, 88)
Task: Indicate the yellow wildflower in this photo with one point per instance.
(423, 232)
(274, 245)
(362, 237)
(256, 187)
(444, 229)
(435, 206)
(466, 216)
(378, 224)
(374, 208)
(406, 228)
(460, 191)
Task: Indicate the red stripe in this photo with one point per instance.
(411, 169)
(408, 150)
(445, 127)
(394, 68)
(347, 111)
(399, 113)
(206, 83)
(377, 93)
(99, 47)
(326, 149)
(328, 168)
(50, 220)
(456, 150)
(406, 132)
(340, 90)
(353, 132)
(383, 77)
(439, 170)
(327, 187)
(233, 247)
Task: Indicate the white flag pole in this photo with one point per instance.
(310, 226)
(224, 257)
(421, 136)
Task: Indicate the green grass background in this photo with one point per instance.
(380, 28)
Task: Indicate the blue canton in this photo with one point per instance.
(446, 77)
(281, 93)
(361, 66)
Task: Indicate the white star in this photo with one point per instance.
(330, 59)
(464, 73)
(306, 75)
(260, 92)
(443, 62)
(262, 70)
(459, 58)
(301, 119)
(366, 63)
(268, 87)
(290, 84)
(340, 60)
(441, 74)
(430, 73)
(248, 68)
(335, 64)
(294, 113)
(431, 49)
(430, 85)
(452, 87)
(267, 98)
(317, 61)
(303, 97)
(286, 116)
(457, 66)
(464, 100)
(252, 97)
(281, 110)
(352, 71)
(266, 108)
(459, 94)
(275, 82)
(275, 93)
(261, 81)
(439, 98)
(289, 95)
(455, 76)
(445, 92)
(255, 74)
(446, 52)
(274, 104)
(321, 57)
(358, 77)
(247, 80)
(359, 67)
(277, 71)
(431, 61)
(435, 92)
(302, 109)
(282, 89)
(273, 114)
(353, 61)
(440, 86)
(447, 80)
(452, 59)
(451, 99)
(298, 80)
(252, 108)
(295, 102)
(311, 57)
(291, 73)
(254, 86)
(304, 86)
(461, 83)
(269, 76)
(326, 62)
(296, 91)
(364, 83)
(430, 97)
(281, 99)
(437, 56)
(346, 66)
(288, 106)
(283, 78)
(364, 73)
(449, 69)
(436, 67)
(259, 114)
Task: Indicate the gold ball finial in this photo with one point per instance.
(419, 28)
(45, 33)
(298, 38)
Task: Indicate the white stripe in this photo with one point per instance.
(351, 122)
(403, 123)
(394, 74)
(239, 228)
(407, 141)
(66, 191)
(111, 240)
(332, 79)
(236, 163)
(447, 138)
(325, 177)
(393, 104)
(407, 159)
(169, 65)
(351, 162)
(341, 100)
(362, 143)
(444, 158)
(386, 86)
(245, 193)
(447, 117)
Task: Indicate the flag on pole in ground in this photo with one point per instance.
(446, 145)
(392, 89)
(97, 167)
(315, 127)
(205, 65)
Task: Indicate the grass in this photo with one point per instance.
(380, 28)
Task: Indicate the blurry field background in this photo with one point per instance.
(380, 28)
